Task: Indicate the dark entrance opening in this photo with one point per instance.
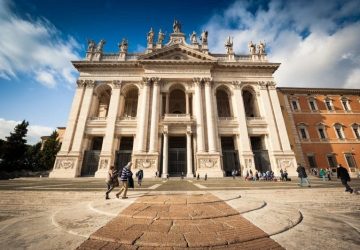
(123, 155)
(261, 155)
(91, 157)
(177, 155)
(230, 156)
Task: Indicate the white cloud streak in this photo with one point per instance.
(35, 47)
(317, 42)
(34, 131)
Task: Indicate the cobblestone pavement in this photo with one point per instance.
(177, 220)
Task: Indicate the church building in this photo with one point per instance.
(175, 109)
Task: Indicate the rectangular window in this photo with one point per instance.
(345, 104)
(339, 133)
(328, 105)
(303, 133)
(295, 106)
(331, 160)
(312, 105)
(356, 132)
(312, 161)
(350, 160)
(322, 133)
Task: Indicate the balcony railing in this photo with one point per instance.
(255, 121)
(126, 118)
(96, 118)
(177, 118)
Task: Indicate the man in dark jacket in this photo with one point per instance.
(125, 174)
(343, 174)
(302, 175)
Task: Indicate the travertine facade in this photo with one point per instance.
(176, 108)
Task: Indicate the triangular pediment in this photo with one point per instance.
(177, 52)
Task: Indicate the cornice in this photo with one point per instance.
(337, 91)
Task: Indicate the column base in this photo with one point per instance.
(208, 164)
(103, 166)
(285, 161)
(66, 166)
(247, 163)
(149, 163)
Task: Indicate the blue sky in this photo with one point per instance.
(317, 43)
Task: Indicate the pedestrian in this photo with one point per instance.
(233, 173)
(156, 174)
(124, 176)
(205, 176)
(281, 174)
(343, 174)
(322, 174)
(140, 175)
(111, 181)
(302, 175)
(182, 175)
(198, 176)
(328, 172)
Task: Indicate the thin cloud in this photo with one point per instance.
(35, 47)
(316, 41)
(34, 131)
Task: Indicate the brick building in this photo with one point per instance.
(323, 125)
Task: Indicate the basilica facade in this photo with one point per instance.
(175, 109)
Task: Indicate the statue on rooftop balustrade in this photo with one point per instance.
(177, 26)
(91, 45)
(100, 45)
(252, 48)
(161, 37)
(123, 45)
(204, 36)
(150, 36)
(261, 48)
(193, 39)
(229, 45)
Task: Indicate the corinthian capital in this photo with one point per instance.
(197, 81)
(237, 84)
(116, 84)
(80, 83)
(155, 80)
(90, 83)
(271, 85)
(262, 84)
(207, 80)
(146, 80)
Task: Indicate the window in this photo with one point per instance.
(328, 104)
(331, 160)
(339, 131)
(295, 105)
(312, 161)
(350, 161)
(303, 133)
(355, 128)
(345, 103)
(322, 133)
(312, 105)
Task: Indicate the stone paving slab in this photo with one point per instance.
(181, 221)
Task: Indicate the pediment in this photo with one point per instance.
(177, 52)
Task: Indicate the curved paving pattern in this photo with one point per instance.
(169, 221)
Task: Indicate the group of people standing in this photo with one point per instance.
(125, 176)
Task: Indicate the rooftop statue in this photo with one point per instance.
(252, 48)
(91, 45)
(100, 45)
(193, 39)
(229, 45)
(204, 37)
(123, 45)
(150, 36)
(261, 48)
(177, 26)
(161, 37)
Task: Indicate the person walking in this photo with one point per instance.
(302, 175)
(140, 176)
(125, 174)
(343, 174)
(111, 181)
(205, 176)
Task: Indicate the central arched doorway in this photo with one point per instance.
(177, 155)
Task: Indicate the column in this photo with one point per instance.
(121, 105)
(154, 117)
(108, 142)
(83, 116)
(165, 153)
(189, 154)
(279, 119)
(167, 104)
(142, 122)
(187, 103)
(75, 109)
(199, 116)
(268, 112)
(210, 117)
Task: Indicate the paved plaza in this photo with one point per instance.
(42, 213)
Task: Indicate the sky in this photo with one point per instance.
(316, 42)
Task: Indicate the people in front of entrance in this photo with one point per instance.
(302, 175)
(322, 174)
(140, 175)
(111, 181)
(198, 176)
(233, 173)
(343, 174)
(125, 174)
(205, 176)
(286, 175)
(328, 173)
(182, 175)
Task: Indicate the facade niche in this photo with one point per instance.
(131, 103)
(250, 104)
(101, 103)
(223, 104)
(177, 103)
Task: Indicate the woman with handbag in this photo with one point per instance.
(111, 180)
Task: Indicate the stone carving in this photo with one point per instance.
(252, 48)
(193, 39)
(104, 164)
(161, 37)
(177, 26)
(140, 163)
(117, 84)
(237, 84)
(150, 36)
(100, 45)
(229, 45)
(204, 37)
(81, 83)
(91, 45)
(64, 164)
(90, 83)
(261, 48)
(207, 163)
(284, 164)
(123, 46)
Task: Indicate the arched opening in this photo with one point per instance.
(223, 103)
(131, 103)
(177, 102)
(250, 104)
(101, 101)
